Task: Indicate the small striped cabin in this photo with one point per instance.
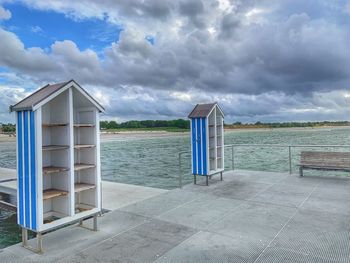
(207, 139)
(58, 156)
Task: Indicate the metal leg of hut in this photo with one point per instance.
(39, 239)
(94, 223)
(221, 176)
(194, 179)
(207, 180)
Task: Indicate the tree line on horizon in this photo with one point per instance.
(179, 123)
(185, 124)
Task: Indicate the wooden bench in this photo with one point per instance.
(326, 161)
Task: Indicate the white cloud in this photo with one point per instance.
(36, 29)
(4, 13)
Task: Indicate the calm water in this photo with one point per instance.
(154, 162)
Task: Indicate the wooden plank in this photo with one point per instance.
(54, 147)
(83, 125)
(81, 146)
(48, 125)
(78, 187)
(52, 193)
(82, 166)
(54, 169)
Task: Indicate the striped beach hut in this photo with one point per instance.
(207, 140)
(58, 158)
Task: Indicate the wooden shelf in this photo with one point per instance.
(54, 169)
(48, 125)
(83, 166)
(81, 207)
(54, 147)
(81, 146)
(79, 187)
(52, 193)
(83, 125)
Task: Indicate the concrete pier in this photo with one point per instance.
(248, 217)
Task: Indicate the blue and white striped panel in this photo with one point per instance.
(26, 205)
(199, 146)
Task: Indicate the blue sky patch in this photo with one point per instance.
(38, 28)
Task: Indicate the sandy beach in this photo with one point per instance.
(120, 136)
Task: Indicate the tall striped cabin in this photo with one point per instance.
(207, 139)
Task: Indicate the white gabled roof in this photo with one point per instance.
(47, 93)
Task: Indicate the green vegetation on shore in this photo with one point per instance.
(257, 125)
(181, 125)
(7, 128)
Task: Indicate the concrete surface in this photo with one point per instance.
(11, 186)
(114, 195)
(117, 195)
(248, 217)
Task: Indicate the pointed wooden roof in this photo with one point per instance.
(203, 110)
(33, 100)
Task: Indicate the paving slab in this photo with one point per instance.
(286, 195)
(201, 212)
(73, 239)
(278, 255)
(254, 220)
(117, 195)
(296, 180)
(242, 190)
(212, 247)
(7, 256)
(257, 176)
(160, 204)
(145, 243)
(318, 234)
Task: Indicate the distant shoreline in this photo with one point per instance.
(131, 135)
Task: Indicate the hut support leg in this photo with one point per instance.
(39, 239)
(221, 176)
(94, 223)
(24, 237)
(194, 179)
(207, 180)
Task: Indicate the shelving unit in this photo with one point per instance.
(58, 157)
(207, 140)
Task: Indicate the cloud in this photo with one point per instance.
(260, 59)
(36, 29)
(4, 13)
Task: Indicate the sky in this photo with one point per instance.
(261, 60)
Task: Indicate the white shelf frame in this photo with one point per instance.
(70, 173)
